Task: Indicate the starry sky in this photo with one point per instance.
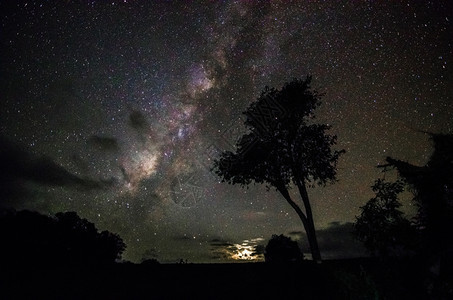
(115, 110)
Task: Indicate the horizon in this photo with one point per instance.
(116, 111)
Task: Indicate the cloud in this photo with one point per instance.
(103, 143)
(142, 127)
(18, 166)
(182, 238)
(259, 250)
(219, 243)
(45, 171)
(296, 234)
(335, 241)
(150, 253)
(221, 249)
(247, 250)
(138, 121)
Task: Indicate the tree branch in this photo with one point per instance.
(293, 204)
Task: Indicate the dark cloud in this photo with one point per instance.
(259, 250)
(182, 238)
(45, 171)
(245, 250)
(216, 257)
(80, 163)
(138, 121)
(19, 167)
(103, 143)
(296, 234)
(221, 249)
(219, 243)
(335, 241)
(151, 253)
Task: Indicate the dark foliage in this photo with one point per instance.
(433, 188)
(283, 147)
(31, 239)
(381, 226)
(432, 185)
(282, 249)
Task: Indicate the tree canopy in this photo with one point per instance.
(381, 226)
(282, 249)
(283, 146)
(30, 238)
(432, 185)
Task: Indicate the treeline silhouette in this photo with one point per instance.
(30, 239)
(383, 227)
(427, 238)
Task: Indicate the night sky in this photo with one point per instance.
(115, 110)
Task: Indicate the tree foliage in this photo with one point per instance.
(281, 249)
(381, 226)
(282, 147)
(33, 239)
(432, 185)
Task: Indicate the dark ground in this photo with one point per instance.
(341, 279)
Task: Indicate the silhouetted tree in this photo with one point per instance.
(25, 238)
(283, 147)
(110, 247)
(432, 185)
(281, 249)
(381, 226)
(33, 239)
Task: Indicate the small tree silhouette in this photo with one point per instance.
(381, 226)
(283, 148)
(281, 249)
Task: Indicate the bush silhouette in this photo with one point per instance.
(281, 249)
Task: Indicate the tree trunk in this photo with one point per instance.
(309, 229)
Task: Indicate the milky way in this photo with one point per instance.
(132, 101)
